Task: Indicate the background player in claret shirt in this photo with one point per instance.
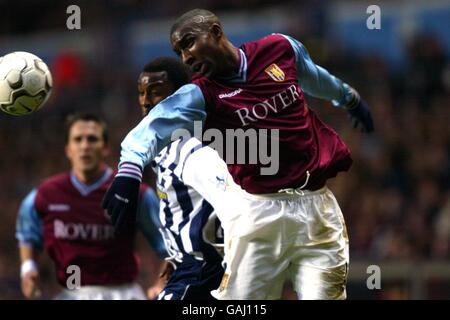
(260, 85)
(64, 216)
(191, 230)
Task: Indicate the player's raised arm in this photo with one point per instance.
(153, 133)
(318, 82)
(29, 235)
(142, 144)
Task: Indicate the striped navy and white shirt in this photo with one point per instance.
(190, 226)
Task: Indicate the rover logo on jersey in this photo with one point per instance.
(82, 231)
(275, 72)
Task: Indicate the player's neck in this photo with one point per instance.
(89, 177)
(231, 61)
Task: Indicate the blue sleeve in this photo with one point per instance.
(149, 223)
(153, 133)
(29, 224)
(317, 81)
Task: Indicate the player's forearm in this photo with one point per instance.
(28, 259)
(27, 252)
(319, 83)
(154, 132)
(29, 271)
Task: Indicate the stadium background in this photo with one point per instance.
(396, 198)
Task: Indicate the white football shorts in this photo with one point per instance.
(298, 235)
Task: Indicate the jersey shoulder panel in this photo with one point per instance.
(54, 182)
(205, 86)
(271, 43)
(49, 187)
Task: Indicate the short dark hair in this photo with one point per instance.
(207, 18)
(75, 117)
(177, 72)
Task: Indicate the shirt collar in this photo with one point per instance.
(85, 189)
(241, 76)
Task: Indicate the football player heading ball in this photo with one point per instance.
(279, 70)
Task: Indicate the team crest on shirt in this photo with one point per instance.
(275, 72)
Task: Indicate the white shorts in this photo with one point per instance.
(273, 237)
(131, 291)
(298, 237)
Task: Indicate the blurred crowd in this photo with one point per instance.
(395, 198)
(104, 13)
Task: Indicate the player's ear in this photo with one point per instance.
(67, 151)
(106, 151)
(216, 30)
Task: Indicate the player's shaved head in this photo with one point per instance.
(197, 18)
(198, 39)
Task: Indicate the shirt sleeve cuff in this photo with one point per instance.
(130, 170)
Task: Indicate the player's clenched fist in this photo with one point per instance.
(120, 201)
(359, 112)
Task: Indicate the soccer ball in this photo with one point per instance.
(25, 83)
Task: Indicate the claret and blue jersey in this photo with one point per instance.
(267, 92)
(64, 217)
